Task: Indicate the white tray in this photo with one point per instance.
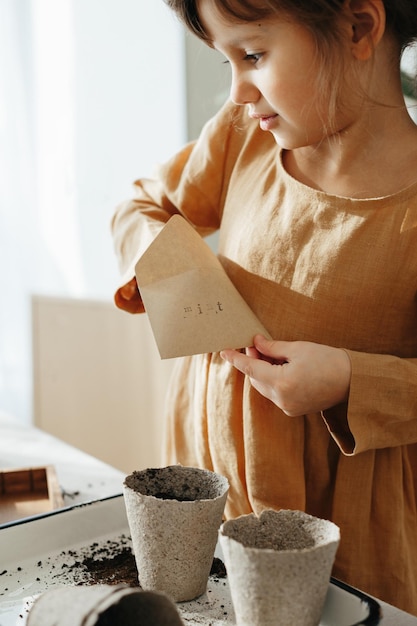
(35, 554)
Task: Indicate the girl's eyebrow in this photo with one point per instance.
(243, 41)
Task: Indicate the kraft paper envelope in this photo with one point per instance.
(192, 305)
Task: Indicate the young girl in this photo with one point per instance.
(310, 175)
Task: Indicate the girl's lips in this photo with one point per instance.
(266, 122)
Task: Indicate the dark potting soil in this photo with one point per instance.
(111, 563)
(115, 563)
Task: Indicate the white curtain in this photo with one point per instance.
(35, 167)
(83, 88)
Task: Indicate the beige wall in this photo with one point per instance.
(99, 383)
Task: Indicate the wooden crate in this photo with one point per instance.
(28, 491)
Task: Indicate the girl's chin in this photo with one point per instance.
(288, 143)
(284, 142)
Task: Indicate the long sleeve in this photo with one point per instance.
(191, 184)
(382, 407)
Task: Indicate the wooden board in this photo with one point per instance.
(28, 491)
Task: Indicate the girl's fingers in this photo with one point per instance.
(254, 367)
(276, 351)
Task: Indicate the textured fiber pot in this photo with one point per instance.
(103, 605)
(279, 567)
(174, 514)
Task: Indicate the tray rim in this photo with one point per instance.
(374, 607)
(52, 513)
(375, 611)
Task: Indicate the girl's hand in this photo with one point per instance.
(128, 297)
(300, 377)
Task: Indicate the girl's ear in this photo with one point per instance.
(368, 26)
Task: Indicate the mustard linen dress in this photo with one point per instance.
(313, 267)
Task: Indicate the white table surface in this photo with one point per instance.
(84, 478)
(81, 477)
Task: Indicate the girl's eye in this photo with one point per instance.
(253, 57)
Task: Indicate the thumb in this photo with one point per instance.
(270, 348)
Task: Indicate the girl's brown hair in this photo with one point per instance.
(320, 16)
(323, 18)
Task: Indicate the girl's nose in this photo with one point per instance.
(242, 90)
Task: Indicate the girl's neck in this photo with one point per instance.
(375, 157)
